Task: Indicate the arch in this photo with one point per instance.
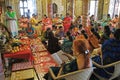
(55, 8)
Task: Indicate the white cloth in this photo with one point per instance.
(12, 25)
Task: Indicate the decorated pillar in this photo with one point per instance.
(39, 8)
(70, 7)
(100, 9)
(78, 8)
(44, 7)
(105, 7)
(49, 8)
(64, 7)
(85, 12)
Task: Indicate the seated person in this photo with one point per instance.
(67, 43)
(106, 34)
(82, 58)
(95, 33)
(53, 44)
(110, 54)
(30, 31)
(60, 34)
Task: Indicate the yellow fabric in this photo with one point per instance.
(57, 22)
(37, 28)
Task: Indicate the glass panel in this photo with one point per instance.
(111, 8)
(25, 4)
(21, 11)
(116, 8)
(26, 10)
(21, 4)
(94, 8)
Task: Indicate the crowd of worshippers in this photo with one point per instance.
(72, 37)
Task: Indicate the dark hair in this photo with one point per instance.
(116, 15)
(93, 30)
(45, 15)
(107, 30)
(48, 29)
(108, 15)
(117, 34)
(80, 26)
(10, 7)
(60, 27)
(84, 33)
(50, 35)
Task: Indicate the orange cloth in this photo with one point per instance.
(23, 22)
(47, 23)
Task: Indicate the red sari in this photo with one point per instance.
(47, 23)
(67, 23)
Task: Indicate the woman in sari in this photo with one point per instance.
(35, 23)
(23, 22)
(115, 21)
(67, 22)
(57, 21)
(47, 23)
(11, 21)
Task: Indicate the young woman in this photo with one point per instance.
(11, 21)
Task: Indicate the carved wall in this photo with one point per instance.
(39, 8)
(78, 8)
(106, 7)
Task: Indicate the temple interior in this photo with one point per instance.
(59, 39)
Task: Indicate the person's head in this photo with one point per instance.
(117, 34)
(80, 26)
(116, 16)
(50, 34)
(57, 15)
(9, 8)
(54, 27)
(80, 46)
(22, 16)
(48, 30)
(106, 28)
(68, 33)
(67, 14)
(93, 30)
(33, 15)
(45, 16)
(60, 14)
(83, 32)
(108, 15)
(61, 28)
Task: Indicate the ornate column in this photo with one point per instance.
(85, 12)
(39, 8)
(49, 8)
(64, 7)
(100, 9)
(16, 8)
(78, 8)
(70, 7)
(44, 7)
(105, 7)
